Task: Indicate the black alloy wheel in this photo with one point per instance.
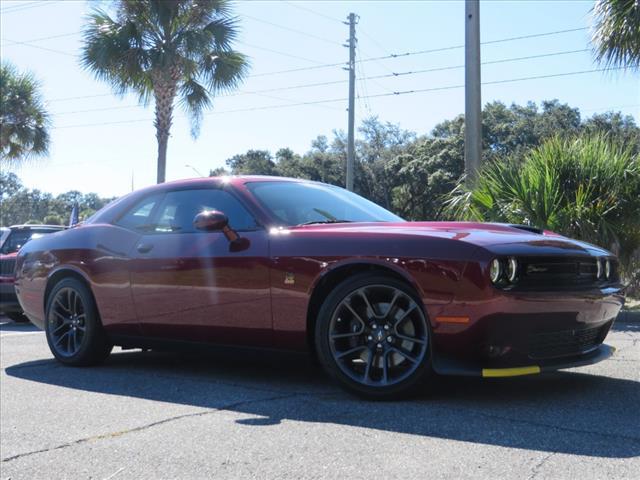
(372, 335)
(74, 331)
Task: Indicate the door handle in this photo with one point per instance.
(144, 247)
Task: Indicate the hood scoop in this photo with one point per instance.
(526, 228)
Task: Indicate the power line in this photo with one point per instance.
(315, 12)
(297, 57)
(289, 29)
(338, 64)
(362, 78)
(378, 95)
(47, 49)
(27, 6)
(49, 37)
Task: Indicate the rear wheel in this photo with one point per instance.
(17, 317)
(74, 332)
(373, 336)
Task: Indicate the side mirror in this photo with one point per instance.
(210, 221)
(215, 221)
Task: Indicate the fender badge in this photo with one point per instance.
(289, 278)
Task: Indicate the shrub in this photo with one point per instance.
(585, 187)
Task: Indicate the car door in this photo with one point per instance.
(193, 285)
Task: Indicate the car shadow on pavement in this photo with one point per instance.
(9, 326)
(568, 412)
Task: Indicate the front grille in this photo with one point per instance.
(7, 267)
(566, 342)
(537, 273)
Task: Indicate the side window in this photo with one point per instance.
(139, 216)
(179, 208)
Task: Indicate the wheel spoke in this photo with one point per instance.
(347, 335)
(60, 316)
(61, 337)
(404, 354)
(363, 294)
(367, 369)
(385, 367)
(69, 302)
(410, 339)
(392, 304)
(404, 316)
(60, 304)
(350, 351)
(58, 328)
(347, 304)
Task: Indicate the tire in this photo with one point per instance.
(17, 317)
(74, 331)
(372, 335)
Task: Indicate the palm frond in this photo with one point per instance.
(616, 33)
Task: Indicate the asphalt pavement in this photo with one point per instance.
(266, 415)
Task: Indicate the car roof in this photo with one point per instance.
(218, 180)
(31, 226)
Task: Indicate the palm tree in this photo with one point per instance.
(616, 33)
(24, 122)
(166, 49)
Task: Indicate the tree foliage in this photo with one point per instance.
(24, 121)
(168, 50)
(20, 205)
(616, 33)
(410, 174)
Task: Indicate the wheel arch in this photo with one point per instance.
(61, 273)
(339, 272)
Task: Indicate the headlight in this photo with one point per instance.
(598, 268)
(512, 269)
(607, 269)
(495, 270)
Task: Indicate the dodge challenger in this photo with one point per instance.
(280, 263)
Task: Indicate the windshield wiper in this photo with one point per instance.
(316, 222)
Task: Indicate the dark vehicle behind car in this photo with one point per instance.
(12, 241)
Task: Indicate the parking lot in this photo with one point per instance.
(267, 415)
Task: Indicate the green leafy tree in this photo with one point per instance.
(616, 33)
(254, 162)
(169, 50)
(586, 187)
(24, 121)
(53, 220)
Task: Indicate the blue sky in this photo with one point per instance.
(90, 153)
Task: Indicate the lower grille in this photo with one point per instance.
(566, 343)
(7, 267)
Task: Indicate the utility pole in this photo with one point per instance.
(472, 101)
(351, 149)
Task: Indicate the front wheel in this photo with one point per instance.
(373, 336)
(74, 332)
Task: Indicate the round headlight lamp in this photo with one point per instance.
(495, 270)
(599, 268)
(512, 269)
(607, 269)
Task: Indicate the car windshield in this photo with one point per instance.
(300, 203)
(17, 238)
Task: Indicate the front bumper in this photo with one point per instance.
(447, 366)
(8, 299)
(512, 330)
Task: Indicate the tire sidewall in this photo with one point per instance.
(94, 337)
(342, 290)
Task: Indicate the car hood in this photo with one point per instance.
(494, 237)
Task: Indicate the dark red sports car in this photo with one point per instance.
(291, 264)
